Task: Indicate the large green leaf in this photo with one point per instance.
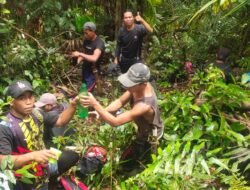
(239, 137)
(194, 134)
(213, 152)
(201, 10)
(218, 162)
(10, 176)
(205, 166)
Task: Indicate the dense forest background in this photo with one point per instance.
(206, 139)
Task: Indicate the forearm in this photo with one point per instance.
(114, 106)
(106, 115)
(147, 26)
(89, 58)
(21, 160)
(66, 115)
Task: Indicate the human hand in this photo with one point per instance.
(87, 101)
(42, 156)
(94, 114)
(74, 101)
(79, 60)
(138, 17)
(116, 61)
(75, 54)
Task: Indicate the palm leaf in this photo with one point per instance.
(235, 9)
(201, 10)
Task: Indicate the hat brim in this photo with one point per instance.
(125, 81)
(39, 104)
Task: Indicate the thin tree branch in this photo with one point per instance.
(28, 35)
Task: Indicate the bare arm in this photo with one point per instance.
(91, 58)
(137, 110)
(37, 156)
(119, 103)
(143, 22)
(67, 114)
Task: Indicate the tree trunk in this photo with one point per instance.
(117, 16)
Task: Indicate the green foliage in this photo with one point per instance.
(244, 62)
(177, 39)
(202, 147)
(6, 167)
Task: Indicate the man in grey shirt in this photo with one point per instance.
(144, 112)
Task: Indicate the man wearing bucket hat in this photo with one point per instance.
(144, 112)
(21, 133)
(93, 47)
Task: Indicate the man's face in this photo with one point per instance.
(89, 34)
(48, 107)
(128, 19)
(23, 104)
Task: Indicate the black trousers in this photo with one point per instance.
(137, 153)
(125, 63)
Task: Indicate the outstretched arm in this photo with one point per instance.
(137, 110)
(67, 114)
(41, 156)
(138, 18)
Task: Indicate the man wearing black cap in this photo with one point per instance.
(92, 56)
(21, 132)
(144, 112)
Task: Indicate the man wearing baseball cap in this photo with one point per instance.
(93, 47)
(48, 103)
(21, 132)
(144, 112)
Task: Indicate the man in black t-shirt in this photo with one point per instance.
(129, 40)
(21, 134)
(93, 47)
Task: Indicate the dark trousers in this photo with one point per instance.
(137, 153)
(125, 63)
(65, 162)
(88, 76)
